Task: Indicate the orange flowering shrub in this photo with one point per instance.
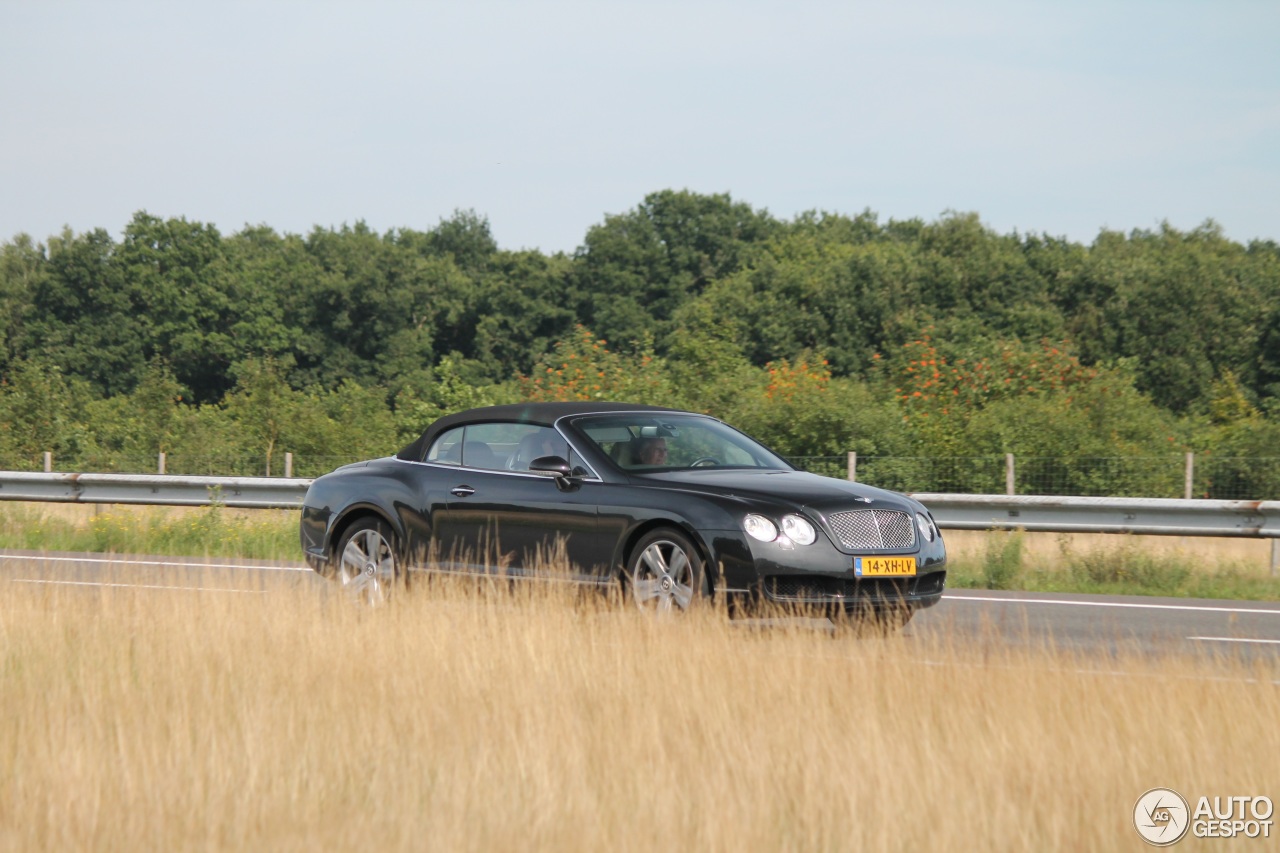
(926, 380)
(789, 382)
(583, 368)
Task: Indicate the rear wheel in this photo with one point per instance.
(367, 561)
(665, 573)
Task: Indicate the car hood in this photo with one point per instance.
(800, 488)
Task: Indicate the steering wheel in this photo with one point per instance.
(704, 462)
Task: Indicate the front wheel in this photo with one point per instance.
(665, 573)
(367, 563)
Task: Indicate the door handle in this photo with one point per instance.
(462, 491)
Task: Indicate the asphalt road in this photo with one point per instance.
(1116, 624)
(1087, 623)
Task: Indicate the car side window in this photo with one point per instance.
(537, 441)
(502, 447)
(467, 446)
(489, 446)
(447, 448)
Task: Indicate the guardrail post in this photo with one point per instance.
(48, 462)
(160, 463)
(1189, 477)
(288, 465)
(853, 467)
(1275, 556)
(1008, 474)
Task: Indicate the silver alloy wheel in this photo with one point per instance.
(367, 567)
(663, 578)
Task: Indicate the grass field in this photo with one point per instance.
(176, 531)
(1113, 564)
(458, 720)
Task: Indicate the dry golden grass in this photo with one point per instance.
(451, 720)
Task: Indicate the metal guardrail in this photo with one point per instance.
(1159, 516)
(161, 489)
(1151, 516)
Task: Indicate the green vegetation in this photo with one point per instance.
(209, 532)
(823, 334)
(1120, 567)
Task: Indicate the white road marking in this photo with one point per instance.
(1106, 673)
(1111, 604)
(140, 586)
(1234, 640)
(123, 562)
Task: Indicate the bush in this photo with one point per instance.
(1002, 560)
(1130, 566)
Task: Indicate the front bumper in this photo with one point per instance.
(820, 577)
(853, 594)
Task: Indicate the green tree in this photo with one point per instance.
(173, 274)
(1182, 306)
(82, 317)
(128, 431)
(708, 370)
(269, 280)
(447, 390)
(23, 269)
(263, 406)
(41, 410)
(636, 269)
(799, 410)
(466, 238)
(372, 309)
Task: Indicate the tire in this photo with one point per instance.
(665, 573)
(367, 562)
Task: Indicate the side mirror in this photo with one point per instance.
(558, 467)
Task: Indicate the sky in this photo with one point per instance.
(1061, 118)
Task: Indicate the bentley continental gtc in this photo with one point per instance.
(675, 507)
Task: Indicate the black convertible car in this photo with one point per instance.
(676, 506)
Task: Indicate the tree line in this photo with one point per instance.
(822, 333)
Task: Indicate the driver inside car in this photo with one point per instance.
(651, 451)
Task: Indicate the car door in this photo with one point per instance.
(501, 517)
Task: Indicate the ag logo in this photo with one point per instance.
(1161, 817)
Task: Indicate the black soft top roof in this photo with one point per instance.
(544, 414)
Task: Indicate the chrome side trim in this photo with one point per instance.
(445, 467)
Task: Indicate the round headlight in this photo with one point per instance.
(759, 527)
(799, 530)
(927, 530)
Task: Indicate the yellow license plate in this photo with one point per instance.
(884, 567)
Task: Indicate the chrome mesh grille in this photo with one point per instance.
(875, 529)
(826, 590)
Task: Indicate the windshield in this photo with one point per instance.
(644, 441)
